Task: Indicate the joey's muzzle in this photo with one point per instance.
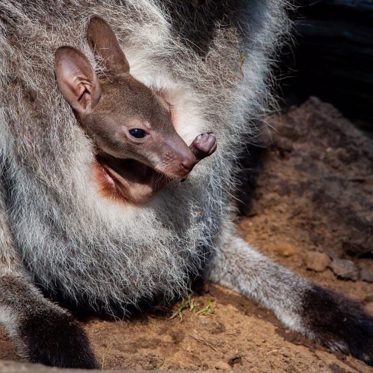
(177, 159)
(180, 158)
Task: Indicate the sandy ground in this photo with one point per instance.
(314, 195)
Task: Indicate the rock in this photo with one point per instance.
(234, 360)
(345, 269)
(369, 308)
(368, 298)
(285, 249)
(222, 365)
(366, 270)
(317, 262)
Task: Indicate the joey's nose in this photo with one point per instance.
(188, 164)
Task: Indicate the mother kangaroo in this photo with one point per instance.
(92, 215)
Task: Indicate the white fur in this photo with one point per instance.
(245, 270)
(9, 319)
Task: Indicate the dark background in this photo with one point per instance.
(331, 57)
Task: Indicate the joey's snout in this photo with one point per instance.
(180, 159)
(177, 159)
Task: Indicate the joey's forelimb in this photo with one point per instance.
(203, 145)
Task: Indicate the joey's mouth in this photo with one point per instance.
(127, 179)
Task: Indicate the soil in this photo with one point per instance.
(314, 195)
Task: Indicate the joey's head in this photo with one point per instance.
(129, 124)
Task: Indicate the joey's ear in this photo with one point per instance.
(104, 43)
(76, 79)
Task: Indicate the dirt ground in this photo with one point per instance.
(312, 212)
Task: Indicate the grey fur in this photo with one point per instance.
(58, 232)
(90, 246)
(270, 284)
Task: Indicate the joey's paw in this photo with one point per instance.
(339, 323)
(204, 145)
(54, 338)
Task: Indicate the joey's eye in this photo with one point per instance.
(138, 133)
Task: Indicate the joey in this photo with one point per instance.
(138, 148)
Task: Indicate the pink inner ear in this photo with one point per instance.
(85, 96)
(76, 79)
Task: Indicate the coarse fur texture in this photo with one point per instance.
(211, 60)
(51, 176)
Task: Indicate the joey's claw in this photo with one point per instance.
(204, 145)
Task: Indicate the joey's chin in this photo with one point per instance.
(172, 175)
(127, 180)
